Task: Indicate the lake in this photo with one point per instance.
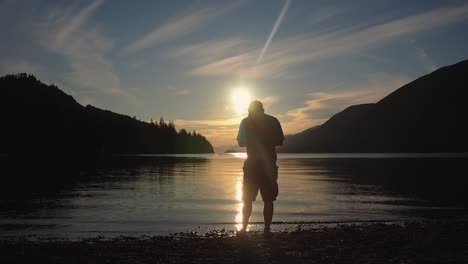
(162, 194)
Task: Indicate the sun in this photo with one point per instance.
(240, 99)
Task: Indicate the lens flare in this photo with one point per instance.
(240, 99)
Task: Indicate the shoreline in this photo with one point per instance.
(412, 242)
(221, 228)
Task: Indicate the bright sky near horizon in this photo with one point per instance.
(200, 62)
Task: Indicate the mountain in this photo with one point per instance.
(40, 118)
(426, 115)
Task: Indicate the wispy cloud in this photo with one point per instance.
(211, 122)
(221, 131)
(172, 29)
(182, 23)
(278, 22)
(182, 92)
(320, 106)
(11, 67)
(73, 23)
(303, 48)
(177, 91)
(69, 32)
(218, 131)
(423, 57)
(317, 108)
(268, 101)
(232, 65)
(322, 14)
(209, 50)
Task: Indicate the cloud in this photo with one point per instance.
(12, 67)
(423, 57)
(210, 50)
(278, 22)
(182, 23)
(234, 65)
(317, 108)
(73, 22)
(182, 92)
(286, 53)
(177, 91)
(322, 105)
(269, 101)
(221, 131)
(210, 122)
(322, 14)
(218, 131)
(68, 32)
(172, 29)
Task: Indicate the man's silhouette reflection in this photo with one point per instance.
(260, 133)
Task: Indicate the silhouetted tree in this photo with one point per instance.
(61, 125)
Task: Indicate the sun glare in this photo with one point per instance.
(240, 100)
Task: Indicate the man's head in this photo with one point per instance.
(256, 107)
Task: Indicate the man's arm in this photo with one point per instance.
(241, 140)
(279, 134)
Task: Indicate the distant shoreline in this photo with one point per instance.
(318, 155)
(284, 154)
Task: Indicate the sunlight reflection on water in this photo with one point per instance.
(162, 194)
(238, 218)
(241, 155)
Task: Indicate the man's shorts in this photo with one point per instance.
(260, 175)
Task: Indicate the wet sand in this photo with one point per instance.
(417, 242)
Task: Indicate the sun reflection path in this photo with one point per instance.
(238, 218)
(240, 155)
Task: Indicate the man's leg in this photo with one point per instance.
(246, 212)
(268, 214)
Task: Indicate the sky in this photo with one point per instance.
(198, 63)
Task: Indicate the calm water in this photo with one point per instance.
(136, 195)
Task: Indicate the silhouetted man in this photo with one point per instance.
(260, 133)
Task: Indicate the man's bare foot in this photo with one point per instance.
(267, 232)
(241, 232)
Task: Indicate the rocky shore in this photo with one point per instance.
(416, 242)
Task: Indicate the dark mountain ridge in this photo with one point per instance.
(425, 115)
(40, 118)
